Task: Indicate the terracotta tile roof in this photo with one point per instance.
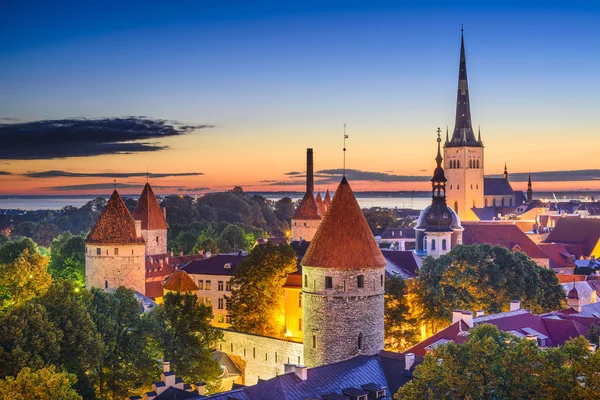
(344, 239)
(450, 333)
(180, 281)
(115, 225)
(327, 199)
(569, 278)
(558, 254)
(505, 235)
(148, 211)
(584, 233)
(307, 209)
(154, 289)
(320, 205)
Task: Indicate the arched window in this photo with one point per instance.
(360, 341)
(432, 244)
(471, 186)
(503, 202)
(457, 163)
(443, 244)
(477, 163)
(300, 299)
(470, 163)
(458, 186)
(477, 186)
(450, 186)
(459, 240)
(425, 243)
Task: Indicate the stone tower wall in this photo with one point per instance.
(465, 184)
(304, 228)
(127, 268)
(334, 318)
(154, 246)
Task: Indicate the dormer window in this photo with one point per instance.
(227, 266)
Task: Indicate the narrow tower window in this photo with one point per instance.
(105, 284)
(300, 299)
(314, 342)
(432, 244)
(305, 280)
(98, 251)
(360, 281)
(328, 282)
(360, 341)
(443, 244)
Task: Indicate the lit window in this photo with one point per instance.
(201, 284)
(220, 318)
(207, 286)
(208, 302)
(300, 299)
(299, 324)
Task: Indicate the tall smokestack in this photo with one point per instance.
(310, 179)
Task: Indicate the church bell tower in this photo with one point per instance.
(463, 153)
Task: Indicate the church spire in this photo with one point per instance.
(463, 132)
(438, 182)
(529, 190)
(505, 171)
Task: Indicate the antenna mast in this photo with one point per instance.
(345, 137)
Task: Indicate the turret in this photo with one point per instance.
(573, 299)
(153, 222)
(343, 285)
(115, 250)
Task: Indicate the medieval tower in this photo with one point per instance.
(463, 153)
(115, 250)
(153, 221)
(342, 285)
(307, 218)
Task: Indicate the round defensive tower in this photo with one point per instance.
(154, 222)
(343, 285)
(115, 250)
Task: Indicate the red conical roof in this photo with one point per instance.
(320, 205)
(148, 211)
(327, 199)
(344, 239)
(307, 209)
(115, 225)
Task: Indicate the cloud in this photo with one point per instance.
(57, 173)
(82, 137)
(554, 176)
(268, 181)
(5, 173)
(196, 189)
(105, 186)
(293, 173)
(300, 182)
(358, 175)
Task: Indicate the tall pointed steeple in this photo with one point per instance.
(505, 172)
(529, 190)
(463, 131)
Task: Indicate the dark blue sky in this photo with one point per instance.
(291, 73)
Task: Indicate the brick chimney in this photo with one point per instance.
(310, 178)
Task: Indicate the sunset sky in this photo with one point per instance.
(248, 86)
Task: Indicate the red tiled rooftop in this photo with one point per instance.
(344, 239)
(148, 211)
(307, 209)
(584, 233)
(505, 235)
(115, 225)
(180, 281)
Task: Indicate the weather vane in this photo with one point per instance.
(345, 137)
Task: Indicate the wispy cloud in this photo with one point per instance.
(5, 173)
(81, 137)
(105, 186)
(554, 176)
(58, 173)
(196, 189)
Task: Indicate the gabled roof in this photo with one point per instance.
(558, 254)
(307, 209)
(344, 239)
(403, 263)
(576, 231)
(115, 225)
(148, 211)
(505, 235)
(452, 333)
(497, 187)
(180, 281)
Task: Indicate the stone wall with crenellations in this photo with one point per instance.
(156, 241)
(110, 266)
(335, 319)
(264, 356)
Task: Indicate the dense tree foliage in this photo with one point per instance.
(182, 326)
(67, 258)
(129, 356)
(23, 279)
(11, 250)
(257, 289)
(497, 365)
(482, 277)
(380, 219)
(401, 329)
(43, 384)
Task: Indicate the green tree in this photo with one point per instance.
(183, 329)
(128, 359)
(256, 303)
(11, 250)
(284, 209)
(27, 339)
(483, 277)
(80, 345)
(401, 329)
(67, 258)
(43, 384)
(235, 237)
(23, 279)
